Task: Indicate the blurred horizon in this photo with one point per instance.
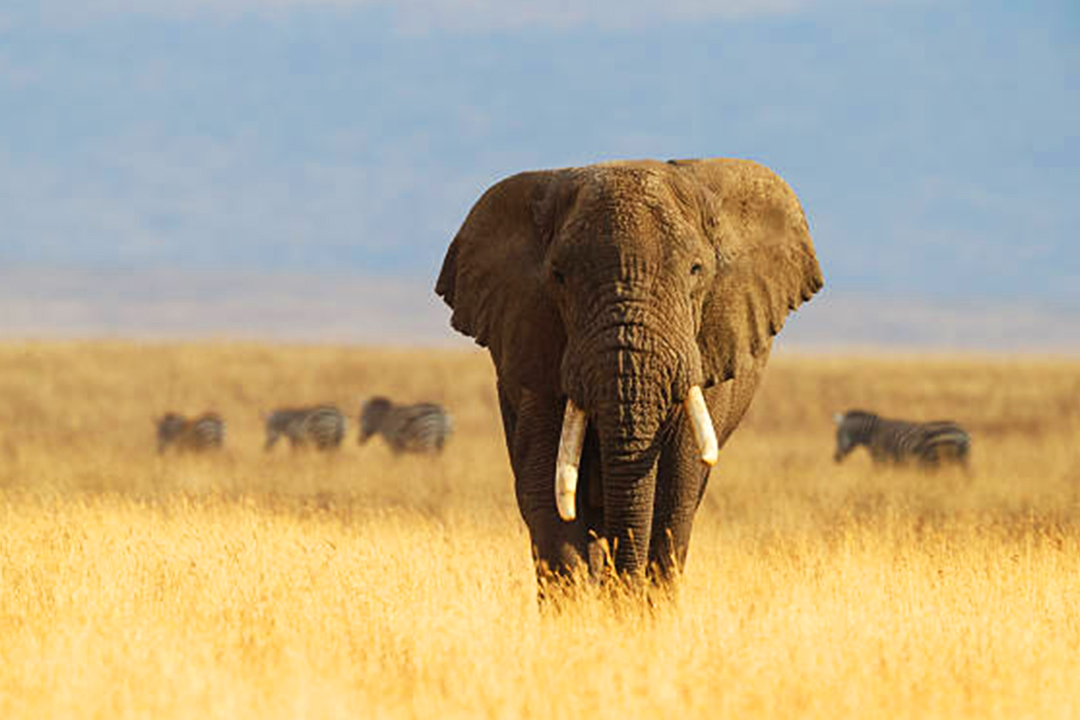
(935, 148)
(166, 305)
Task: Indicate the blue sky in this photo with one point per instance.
(935, 145)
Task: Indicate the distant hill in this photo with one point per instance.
(162, 304)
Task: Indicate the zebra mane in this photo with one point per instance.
(859, 414)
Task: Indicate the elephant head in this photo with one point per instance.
(623, 290)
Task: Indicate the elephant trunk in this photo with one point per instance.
(629, 458)
(572, 440)
(630, 405)
(626, 379)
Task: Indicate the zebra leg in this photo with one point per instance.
(965, 462)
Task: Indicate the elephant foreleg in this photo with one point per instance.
(560, 549)
(680, 481)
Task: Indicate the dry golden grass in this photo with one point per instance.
(359, 585)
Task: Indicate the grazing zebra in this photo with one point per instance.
(420, 428)
(205, 432)
(898, 441)
(321, 426)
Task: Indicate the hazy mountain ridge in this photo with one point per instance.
(933, 147)
(163, 304)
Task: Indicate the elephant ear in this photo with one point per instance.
(493, 279)
(766, 261)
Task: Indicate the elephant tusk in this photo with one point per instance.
(704, 433)
(566, 466)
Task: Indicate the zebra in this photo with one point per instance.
(205, 432)
(321, 426)
(928, 444)
(420, 428)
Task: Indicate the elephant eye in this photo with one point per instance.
(696, 269)
(558, 276)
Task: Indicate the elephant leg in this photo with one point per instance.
(560, 549)
(591, 492)
(680, 485)
(683, 478)
(508, 411)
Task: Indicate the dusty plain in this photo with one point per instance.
(293, 585)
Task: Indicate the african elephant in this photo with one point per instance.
(629, 309)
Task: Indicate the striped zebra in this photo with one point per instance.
(420, 428)
(205, 432)
(321, 427)
(927, 444)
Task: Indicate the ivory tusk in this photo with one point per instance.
(704, 433)
(566, 465)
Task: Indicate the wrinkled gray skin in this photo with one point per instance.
(620, 286)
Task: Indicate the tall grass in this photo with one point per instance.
(249, 584)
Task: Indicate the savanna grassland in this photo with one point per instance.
(285, 585)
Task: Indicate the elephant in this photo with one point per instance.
(629, 309)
